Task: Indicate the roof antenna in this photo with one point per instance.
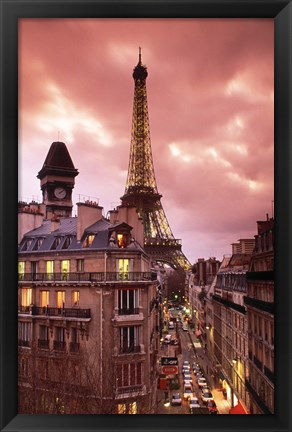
(140, 55)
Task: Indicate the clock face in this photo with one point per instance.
(60, 192)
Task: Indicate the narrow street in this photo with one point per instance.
(191, 354)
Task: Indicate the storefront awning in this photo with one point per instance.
(238, 409)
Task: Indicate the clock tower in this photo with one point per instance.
(57, 178)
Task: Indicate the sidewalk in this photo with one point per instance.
(206, 366)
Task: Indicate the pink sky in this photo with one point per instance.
(210, 92)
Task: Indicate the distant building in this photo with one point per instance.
(244, 246)
(87, 304)
(260, 315)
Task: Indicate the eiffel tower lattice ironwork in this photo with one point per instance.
(141, 188)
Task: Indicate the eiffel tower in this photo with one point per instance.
(141, 188)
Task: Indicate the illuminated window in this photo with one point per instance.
(65, 268)
(26, 296)
(122, 409)
(123, 266)
(121, 240)
(132, 408)
(50, 269)
(44, 300)
(75, 298)
(21, 268)
(60, 299)
(88, 241)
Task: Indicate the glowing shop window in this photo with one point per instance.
(133, 408)
(122, 409)
(44, 298)
(60, 299)
(26, 297)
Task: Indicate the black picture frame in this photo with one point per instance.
(11, 11)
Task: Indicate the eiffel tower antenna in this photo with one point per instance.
(141, 188)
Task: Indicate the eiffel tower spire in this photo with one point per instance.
(141, 188)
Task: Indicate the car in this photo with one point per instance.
(187, 376)
(197, 371)
(212, 407)
(174, 342)
(194, 403)
(167, 339)
(188, 382)
(199, 375)
(206, 389)
(186, 362)
(176, 399)
(188, 391)
(207, 396)
(202, 382)
(171, 325)
(186, 370)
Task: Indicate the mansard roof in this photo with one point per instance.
(64, 237)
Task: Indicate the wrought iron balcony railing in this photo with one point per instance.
(51, 311)
(59, 345)
(43, 343)
(129, 311)
(259, 304)
(130, 349)
(86, 277)
(24, 343)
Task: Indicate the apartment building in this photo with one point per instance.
(87, 303)
(259, 302)
(230, 329)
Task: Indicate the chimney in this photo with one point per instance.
(28, 219)
(87, 214)
(55, 223)
(131, 217)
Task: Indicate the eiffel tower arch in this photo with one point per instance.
(141, 188)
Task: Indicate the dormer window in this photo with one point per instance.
(56, 243)
(38, 244)
(26, 245)
(121, 240)
(88, 241)
(67, 242)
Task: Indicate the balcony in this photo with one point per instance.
(59, 345)
(23, 343)
(135, 389)
(86, 277)
(43, 343)
(229, 304)
(260, 276)
(269, 374)
(128, 311)
(133, 349)
(54, 312)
